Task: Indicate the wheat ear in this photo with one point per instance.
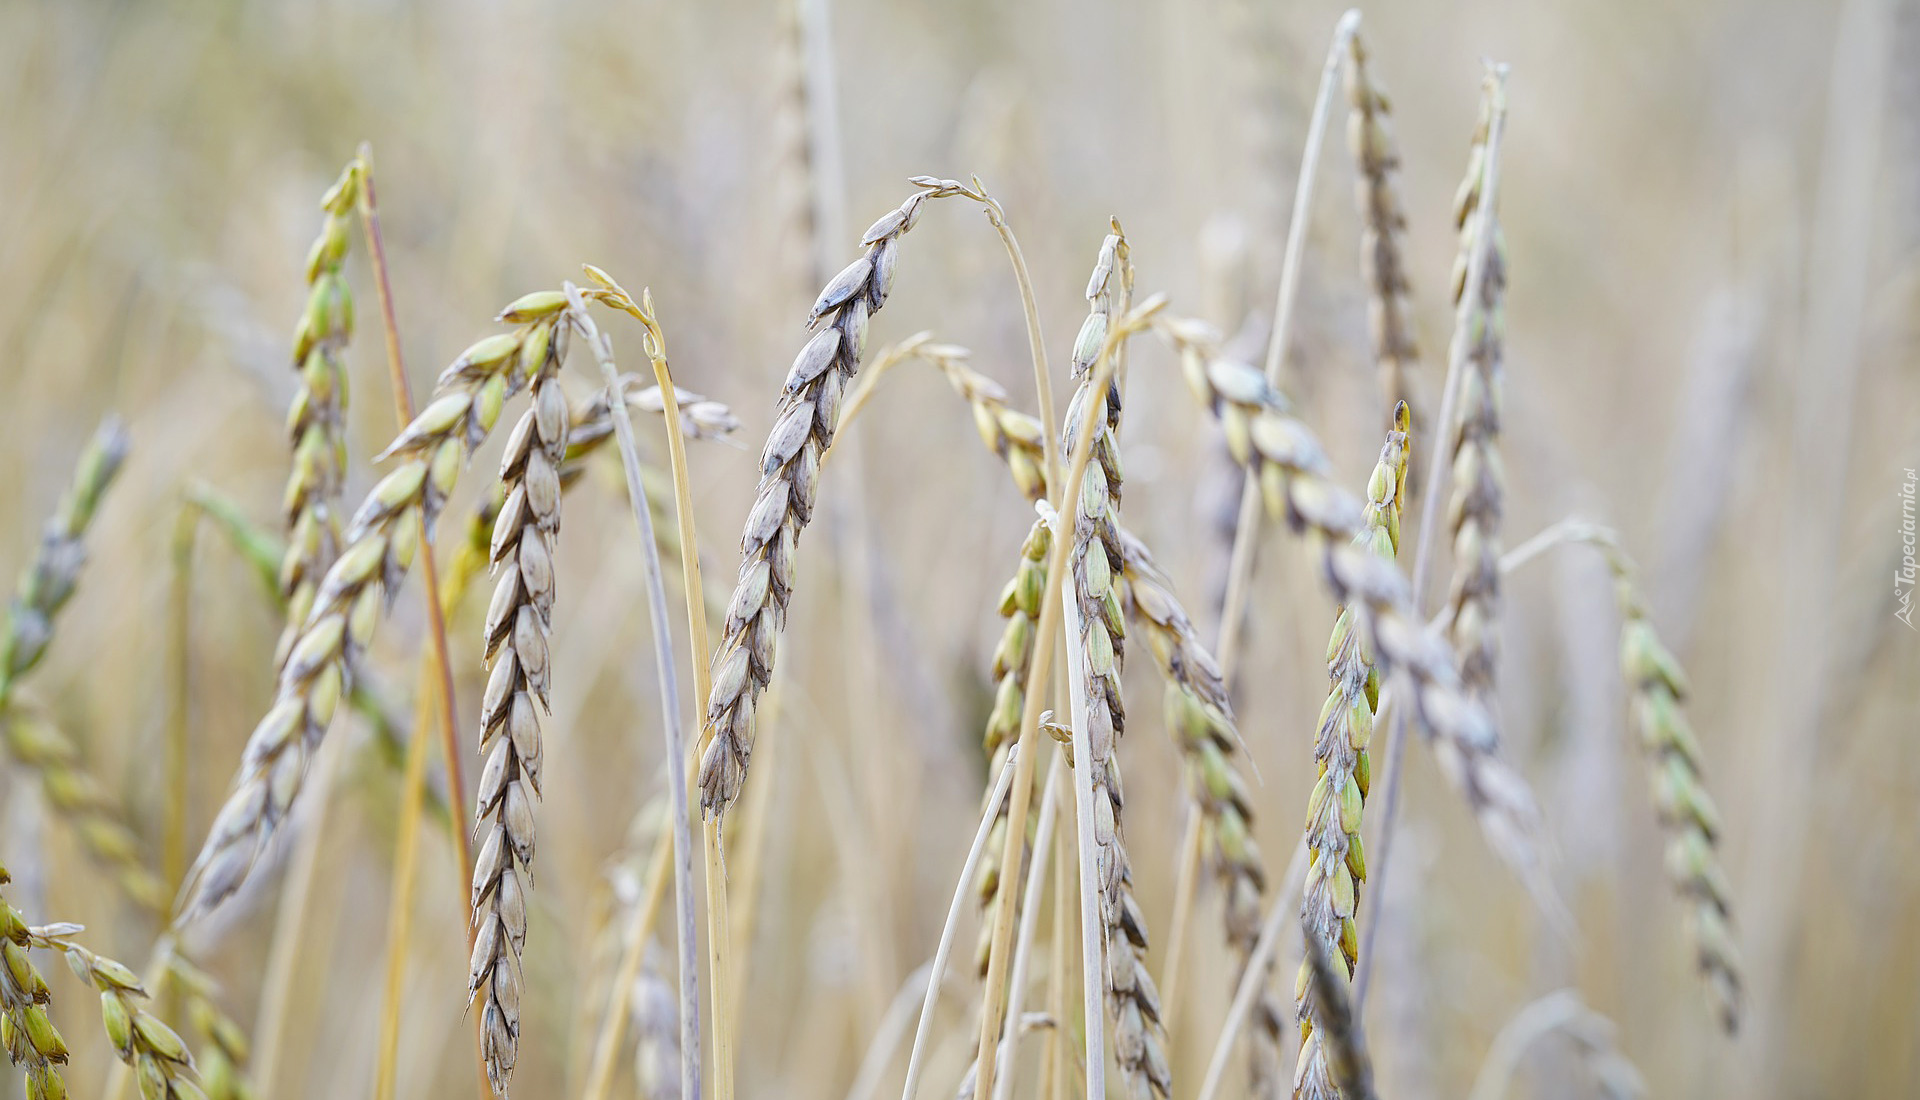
(1342, 1045)
(25, 1028)
(519, 624)
(1097, 634)
(152, 1050)
(1339, 796)
(1479, 484)
(1290, 468)
(1659, 688)
(1383, 231)
(315, 419)
(381, 541)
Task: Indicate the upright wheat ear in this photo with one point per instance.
(315, 419)
(351, 599)
(1479, 482)
(1383, 229)
(1339, 863)
(808, 413)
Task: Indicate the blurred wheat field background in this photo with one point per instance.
(1711, 215)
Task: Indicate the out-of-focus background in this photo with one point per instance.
(1713, 217)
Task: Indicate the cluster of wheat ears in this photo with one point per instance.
(1082, 586)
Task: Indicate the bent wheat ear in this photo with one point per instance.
(315, 424)
(1479, 483)
(1339, 864)
(806, 417)
(26, 1030)
(381, 542)
(515, 640)
(1288, 464)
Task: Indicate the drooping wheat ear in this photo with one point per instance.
(25, 1028)
(1383, 228)
(162, 1067)
(77, 796)
(1693, 823)
(1340, 746)
(1343, 1055)
(808, 412)
(1012, 663)
(48, 582)
(1096, 561)
(1659, 688)
(315, 420)
(1479, 482)
(381, 541)
(1291, 470)
(1200, 718)
(519, 624)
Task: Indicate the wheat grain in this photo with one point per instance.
(807, 415)
(1343, 1046)
(1290, 468)
(1339, 796)
(315, 424)
(381, 541)
(161, 1065)
(1479, 483)
(1383, 230)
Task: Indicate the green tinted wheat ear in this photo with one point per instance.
(76, 796)
(1096, 562)
(315, 423)
(1338, 862)
(25, 1028)
(1288, 464)
(381, 542)
(1200, 718)
(161, 1066)
(1479, 484)
(519, 623)
(1383, 227)
(49, 581)
(808, 413)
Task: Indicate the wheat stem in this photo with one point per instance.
(400, 909)
(1253, 974)
(939, 969)
(1029, 921)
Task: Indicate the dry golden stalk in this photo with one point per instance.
(1383, 228)
(1200, 718)
(1289, 466)
(1340, 747)
(519, 623)
(1479, 483)
(1659, 689)
(315, 423)
(25, 1028)
(1096, 560)
(808, 413)
(381, 541)
(1343, 1046)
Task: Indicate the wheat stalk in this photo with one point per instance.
(1287, 463)
(381, 541)
(1339, 796)
(1659, 689)
(1589, 1031)
(315, 419)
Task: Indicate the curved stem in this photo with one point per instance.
(1029, 920)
